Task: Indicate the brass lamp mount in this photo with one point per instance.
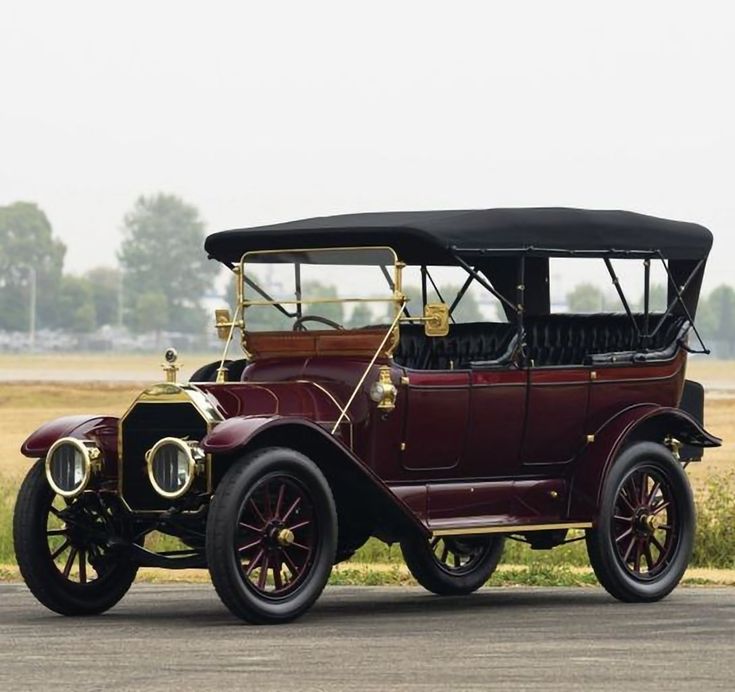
(170, 368)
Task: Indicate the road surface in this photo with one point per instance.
(179, 637)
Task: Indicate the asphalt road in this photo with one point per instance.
(181, 638)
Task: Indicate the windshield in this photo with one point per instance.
(299, 290)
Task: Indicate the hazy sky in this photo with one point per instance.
(259, 112)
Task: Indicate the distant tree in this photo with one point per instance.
(75, 307)
(316, 289)
(716, 319)
(26, 240)
(104, 285)
(361, 316)
(468, 309)
(161, 254)
(151, 313)
(657, 299)
(585, 298)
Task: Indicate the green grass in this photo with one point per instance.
(714, 546)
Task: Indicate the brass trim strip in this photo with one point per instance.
(510, 528)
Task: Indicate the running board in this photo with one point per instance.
(508, 528)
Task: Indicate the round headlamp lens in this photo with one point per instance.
(171, 467)
(68, 467)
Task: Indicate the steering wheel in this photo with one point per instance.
(298, 325)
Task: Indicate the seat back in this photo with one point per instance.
(579, 339)
(466, 343)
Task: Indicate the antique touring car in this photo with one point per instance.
(358, 412)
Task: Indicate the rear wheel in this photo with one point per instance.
(452, 565)
(644, 537)
(62, 549)
(271, 536)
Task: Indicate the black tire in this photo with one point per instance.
(642, 557)
(246, 519)
(93, 594)
(473, 560)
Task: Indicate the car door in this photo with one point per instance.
(435, 423)
(497, 419)
(556, 414)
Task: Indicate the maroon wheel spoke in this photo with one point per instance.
(445, 552)
(652, 494)
(70, 562)
(629, 549)
(292, 566)
(649, 557)
(625, 499)
(619, 517)
(294, 544)
(277, 578)
(263, 576)
(258, 513)
(658, 545)
(56, 532)
(660, 508)
(268, 509)
(254, 563)
(434, 542)
(291, 509)
(60, 549)
(300, 525)
(279, 501)
(249, 546)
(250, 527)
(624, 534)
(638, 555)
(644, 489)
(82, 567)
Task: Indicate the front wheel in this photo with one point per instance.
(452, 565)
(63, 552)
(644, 536)
(271, 536)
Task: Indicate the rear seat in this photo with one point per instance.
(598, 338)
(551, 340)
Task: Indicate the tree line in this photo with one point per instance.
(158, 285)
(715, 313)
(162, 275)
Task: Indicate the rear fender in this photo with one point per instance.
(648, 422)
(98, 428)
(362, 498)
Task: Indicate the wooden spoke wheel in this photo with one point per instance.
(645, 526)
(644, 535)
(452, 565)
(271, 536)
(63, 552)
(278, 535)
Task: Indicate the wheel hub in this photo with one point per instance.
(285, 537)
(646, 522)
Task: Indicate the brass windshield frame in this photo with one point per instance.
(398, 298)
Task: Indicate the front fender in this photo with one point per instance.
(637, 423)
(99, 428)
(353, 483)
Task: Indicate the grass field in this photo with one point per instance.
(25, 405)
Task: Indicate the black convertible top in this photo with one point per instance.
(434, 237)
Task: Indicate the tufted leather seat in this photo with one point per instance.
(551, 340)
(465, 344)
(579, 339)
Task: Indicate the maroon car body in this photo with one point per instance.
(510, 428)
